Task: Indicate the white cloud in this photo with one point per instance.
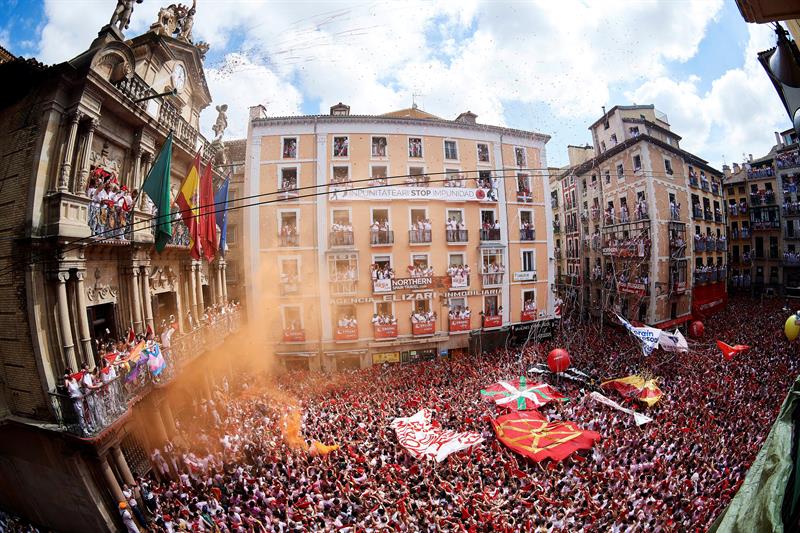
(458, 55)
(737, 115)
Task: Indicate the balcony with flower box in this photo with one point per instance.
(456, 325)
(345, 333)
(384, 331)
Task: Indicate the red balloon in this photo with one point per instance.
(558, 360)
(696, 329)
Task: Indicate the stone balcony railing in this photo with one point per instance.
(98, 409)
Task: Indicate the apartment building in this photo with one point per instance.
(651, 219)
(394, 237)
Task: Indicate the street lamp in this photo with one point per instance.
(782, 64)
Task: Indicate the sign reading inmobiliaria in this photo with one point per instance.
(444, 194)
(417, 435)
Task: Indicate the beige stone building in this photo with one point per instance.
(650, 222)
(78, 272)
(383, 232)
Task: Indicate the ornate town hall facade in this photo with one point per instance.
(77, 272)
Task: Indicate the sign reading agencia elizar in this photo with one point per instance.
(445, 194)
(426, 295)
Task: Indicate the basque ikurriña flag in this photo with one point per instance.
(518, 395)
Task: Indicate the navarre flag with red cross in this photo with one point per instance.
(519, 395)
(530, 434)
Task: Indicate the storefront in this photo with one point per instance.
(298, 360)
(417, 356)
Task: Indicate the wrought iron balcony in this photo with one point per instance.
(340, 238)
(419, 236)
(527, 234)
(457, 236)
(492, 234)
(381, 238)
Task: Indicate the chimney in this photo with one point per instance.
(340, 110)
(467, 117)
(258, 111)
(736, 168)
(726, 170)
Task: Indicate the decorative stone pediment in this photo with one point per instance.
(101, 291)
(163, 279)
(114, 62)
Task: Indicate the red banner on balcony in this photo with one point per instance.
(528, 316)
(459, 324)
(492, 321)
(423, 328)
(632, 288)
(346, 333)
(294, 335)
(708, 299)
(385, 331)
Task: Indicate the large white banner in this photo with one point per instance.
(639, 418)
(647, 335)
(417, 435)
(673, 342)
(446, 194)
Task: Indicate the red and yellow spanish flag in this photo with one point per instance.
(635, 386)
(188, 205)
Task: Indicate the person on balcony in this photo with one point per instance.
(623, 214)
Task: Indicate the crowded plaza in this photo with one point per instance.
(299, 451)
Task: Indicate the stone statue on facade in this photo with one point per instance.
(176, 20)
(122, 13)
(202, 47)
(222, 121)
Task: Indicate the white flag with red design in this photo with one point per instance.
(420, 437)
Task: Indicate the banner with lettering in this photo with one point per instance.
(377, 194)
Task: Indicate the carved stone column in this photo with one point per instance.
(200, 304)
(137, 306)
(224, 267)
(64, 322)
(143, 170)
(122, 466)
(136, 181)
(83, 319)
(83, 177)
(148, 299)
(220, 289)
(111, 479)
(69, 150)
(193, 289)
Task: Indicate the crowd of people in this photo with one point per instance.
(247, 459)
(420, 271)
(111, 206)
(459, 311)
(791, 257)
(788, 159)
(709, 242)
(420, 230)
(379, 232)
(347, 321)
(381, 319)
(420, 316)
(762, 172)
(638, 245)
(710, 273)
(378, 271)
(791, 208)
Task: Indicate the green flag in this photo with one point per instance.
(156, 185)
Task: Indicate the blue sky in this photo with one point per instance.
(544, 66)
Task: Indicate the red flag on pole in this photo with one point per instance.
(208, 220)
(729, 351)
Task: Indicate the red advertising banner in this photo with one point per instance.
(423, 328)
(459, 324)
(492, 321)
(385, 331)
(294, 335)
(346, 333)
(708, 299)
(528, 316)
(632, 288)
